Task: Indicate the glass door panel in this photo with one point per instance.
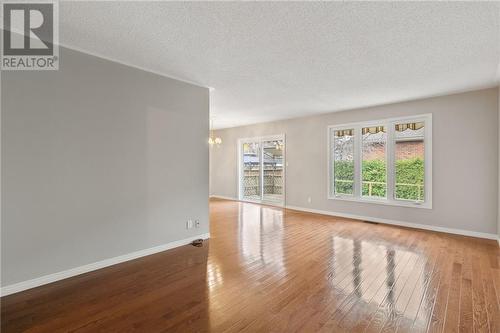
(251, 171)
(273, 175)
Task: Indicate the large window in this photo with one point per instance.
(385, 161)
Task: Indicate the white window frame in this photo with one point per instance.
(390, 165)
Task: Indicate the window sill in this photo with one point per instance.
(398, 203)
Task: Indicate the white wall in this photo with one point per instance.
(465, 161)
(98, 160)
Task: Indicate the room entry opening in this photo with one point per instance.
(262, 169)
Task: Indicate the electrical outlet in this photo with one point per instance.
(189, 224)
(309, 200)
(196, 223)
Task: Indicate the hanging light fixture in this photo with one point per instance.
(213, 140)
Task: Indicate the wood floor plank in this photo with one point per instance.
(480, 315)
(267, 269)
(466, 306)
(453, 307)
(488, 269)
(437, 318)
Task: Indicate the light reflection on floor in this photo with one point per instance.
(293, 269)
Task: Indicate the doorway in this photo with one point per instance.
(262, 169)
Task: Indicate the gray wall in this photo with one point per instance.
(465, 161)
(98, 160)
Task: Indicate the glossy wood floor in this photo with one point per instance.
(274, 270)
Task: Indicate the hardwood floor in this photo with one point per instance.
(271, 270)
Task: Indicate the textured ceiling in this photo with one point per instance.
(275, 60)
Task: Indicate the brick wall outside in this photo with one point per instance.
(404, 150)
(409, 149)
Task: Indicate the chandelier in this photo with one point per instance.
(212, 139)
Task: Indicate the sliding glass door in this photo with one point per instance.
(250, 181)
(261, 169)
(273, 170)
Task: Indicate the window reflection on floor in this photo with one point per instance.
(352, 258)
(321, 270)
(256, 223)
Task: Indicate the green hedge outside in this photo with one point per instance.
(409, 172)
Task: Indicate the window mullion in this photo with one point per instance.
(390, 165)
(261, 175)
(428, 161)
(357, 162)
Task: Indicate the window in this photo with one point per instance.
(409, 161)
(373, 163)
(343, 152)
(385, 161)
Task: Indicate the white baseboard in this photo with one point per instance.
(398, 223)
(386, 221)
(223, 197)
(17, 287)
